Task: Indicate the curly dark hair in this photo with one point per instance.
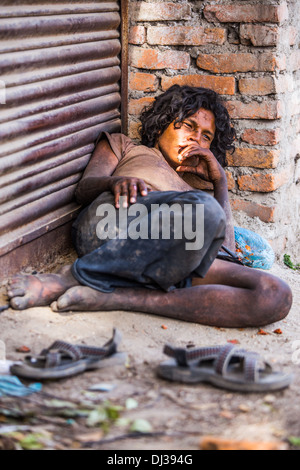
(181, 102)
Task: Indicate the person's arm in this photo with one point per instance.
(98, 178)
(203, 163)
(95, 179)
(221, 195)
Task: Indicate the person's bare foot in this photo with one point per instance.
(25, 290)
(82, 299)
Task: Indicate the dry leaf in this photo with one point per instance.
(262, 332)
(217, 443)
(23, 349)
(90, 437)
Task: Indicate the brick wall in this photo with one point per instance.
(247, 51)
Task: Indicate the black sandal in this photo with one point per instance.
(226, 367)
(63, 360)
(229, 256)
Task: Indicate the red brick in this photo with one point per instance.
(259, 35)
(252, 209)
(137, 35)
(142, 11)
(153, 59)
(185, 35)
(230, 180)
(222, 85)
(261, 137)
(241, 13)
(260, 182)
(255, 158)
(240, 62)
(146, 82)
(257, 86)
(136, 106)
(266, 110)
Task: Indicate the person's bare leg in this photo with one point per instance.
(229, 296)
(25, 290)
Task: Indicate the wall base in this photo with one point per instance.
(43, 253)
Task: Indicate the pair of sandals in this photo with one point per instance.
(226, 366)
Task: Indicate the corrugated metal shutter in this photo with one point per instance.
(61, 69)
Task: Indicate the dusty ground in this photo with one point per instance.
(179, 415)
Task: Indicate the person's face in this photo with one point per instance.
(199, 128)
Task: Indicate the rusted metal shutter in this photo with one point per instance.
(60, 65)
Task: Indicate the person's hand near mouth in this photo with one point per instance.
(200, 161)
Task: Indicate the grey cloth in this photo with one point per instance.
(161, 262)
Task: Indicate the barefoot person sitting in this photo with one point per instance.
(185, 136)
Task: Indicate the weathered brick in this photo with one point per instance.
(222, 85)
(263, 183)
(153, 59)
(255, 158)
(136, 106)
(245, 13)
(137, 35)
(257, 86)
(252, 209)
(133, 131)
(185, 35)
(266, 110)
(142, 11)
(261, 136)
(241, 62)
(259, 35)
(146, 82)
(230, 180)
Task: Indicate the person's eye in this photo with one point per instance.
(188, 125)
(207, 137)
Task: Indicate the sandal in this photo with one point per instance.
(222, 366)
(229, 256)
(63, 360)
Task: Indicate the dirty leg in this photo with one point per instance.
(25, 290)
(240, 297)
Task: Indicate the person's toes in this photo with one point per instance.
(17, 280)
(15, 292)
(54, 307)
(20, 303)
(15, 288)
(62, 304)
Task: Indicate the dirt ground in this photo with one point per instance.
(173, 416)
